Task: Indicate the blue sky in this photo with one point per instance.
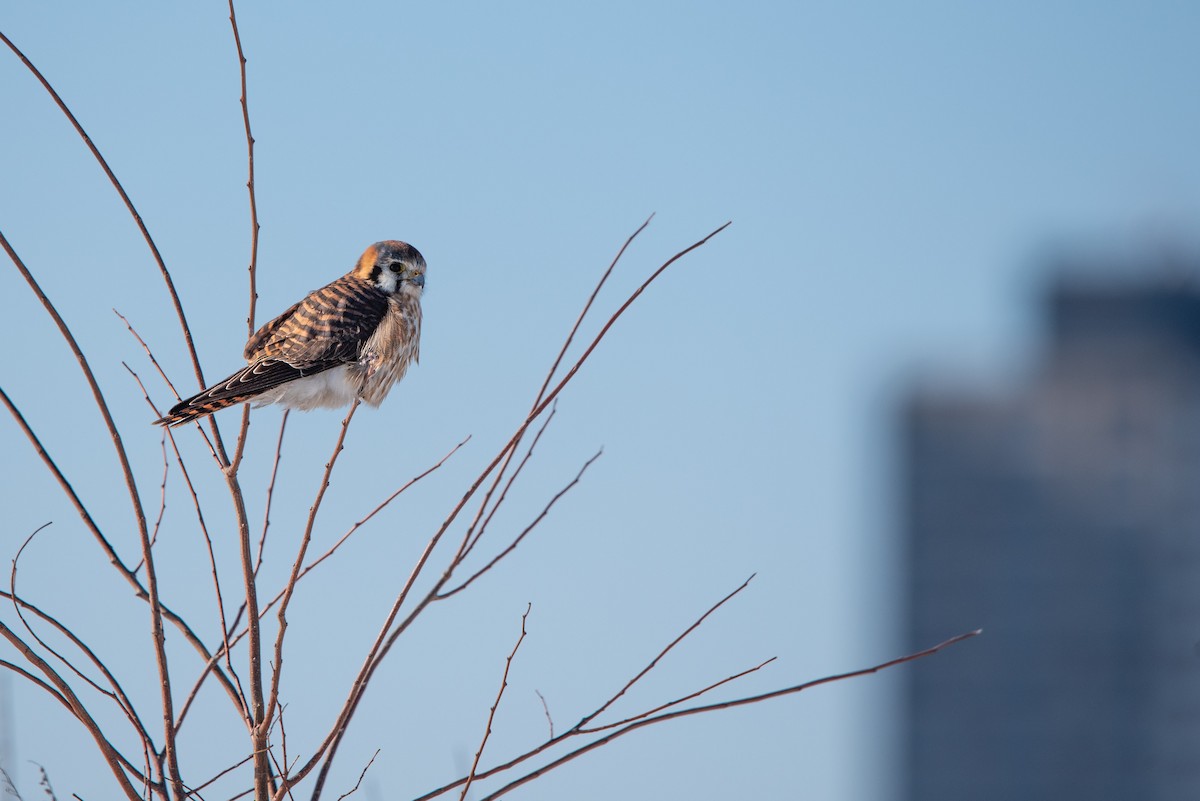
(897, 176)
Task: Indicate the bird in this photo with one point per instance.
(352, 339)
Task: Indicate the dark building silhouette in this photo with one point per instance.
(1063, 518)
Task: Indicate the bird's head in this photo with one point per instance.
(394, 267)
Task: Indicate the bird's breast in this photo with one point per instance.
(385, 356)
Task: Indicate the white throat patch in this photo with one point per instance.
(387, 281)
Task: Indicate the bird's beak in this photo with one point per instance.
(419, 280)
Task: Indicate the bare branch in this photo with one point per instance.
(483, 506)
(613, 319)
(281, 769)
(586, 307)
(512, 546)
(469, 540)
(333, 548)
(677, 701)
(162, 496)
(262, 540)
(487, 731)
(290, 587)
(546, 709)
(471, 536)
(358, 783)
(258, 728)
(53, 693)
(254, 226)
(225, 772)
(661, 654)
(163, 375)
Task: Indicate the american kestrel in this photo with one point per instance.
(353, 338)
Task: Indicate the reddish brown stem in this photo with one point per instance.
(487, 729)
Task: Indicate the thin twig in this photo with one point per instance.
(40, 683)
(487, 730)
(290, 587)
(379, 508)
(587, 307)
(512, 546)
(354, 789)
(683, 699)
(163, 375)
(224, 772)
(483, 506)
(469, 541)
(587, 719)
(262, 540)
(546, 709)
(258, 728)
(162, 497)
(254, 226)
(283, 769)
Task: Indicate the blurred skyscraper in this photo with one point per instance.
(1063, 517)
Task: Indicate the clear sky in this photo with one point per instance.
(896, 174)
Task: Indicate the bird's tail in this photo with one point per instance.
(194, 408)
(222, 395)
(245, 385)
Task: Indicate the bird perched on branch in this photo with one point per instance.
(353, 338)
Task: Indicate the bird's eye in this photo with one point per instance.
(395, 267)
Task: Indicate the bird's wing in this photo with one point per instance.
(324, 330)
(262, 335)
